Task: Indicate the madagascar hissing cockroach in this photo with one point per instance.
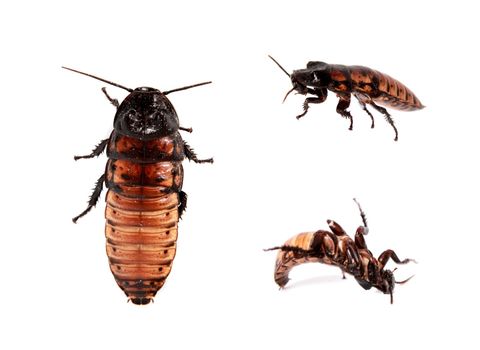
(144, 177)
(338, 249)
(366, 84)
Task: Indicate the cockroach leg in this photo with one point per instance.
(305, 106)
(352, 254)
(387, 116)
(324, 243)
(95, 152)
(113, 101)
(309, 100)
(182, 199)
(185, 129)
(387, 254)
(360, 239)
(93, 198)
(191, 155)
(364, 107)
(342, 106)
(363, 216)
(336, 228)
(365, 284)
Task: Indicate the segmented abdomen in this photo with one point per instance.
(383, 89)
(141, 215)
(287, 260)
(395, 95)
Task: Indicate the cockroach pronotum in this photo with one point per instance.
(338, 249)
(369, 86)
(144, 177)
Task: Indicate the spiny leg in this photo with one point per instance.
(387, 117)
(361, 230)
(113, 101)
(309, 100)
(93, 198)
(364, 107)
(321, 97)
(182, 198)
(365, 284)
(387, 254)
(96, 151)
(191, 155)
(342, 106)
(362, 214)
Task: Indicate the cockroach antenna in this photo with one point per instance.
(186, 87)
(278, 64)
(405, 281)
(288, 93)
(95, 77)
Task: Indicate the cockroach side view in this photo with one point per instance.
(367, 85)
(144, 177)
(338, 249)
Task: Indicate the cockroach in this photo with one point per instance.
(338, 249)
(369, 86)
(144, 177)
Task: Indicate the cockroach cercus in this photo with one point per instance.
(369, 87)
(144, 177)
(338, 249)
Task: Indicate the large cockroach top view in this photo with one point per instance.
(367, 85)
(338, 249)
(144, 177)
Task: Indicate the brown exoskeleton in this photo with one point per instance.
(338, 249)
(369, 86)
(144, 177)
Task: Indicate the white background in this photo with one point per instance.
(273, 176)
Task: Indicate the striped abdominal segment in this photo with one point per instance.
(141, 238)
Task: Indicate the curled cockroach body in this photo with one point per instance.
(338, 249)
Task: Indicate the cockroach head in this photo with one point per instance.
(388, 283)
(315, 76)
(297, 86)
(146, 113)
